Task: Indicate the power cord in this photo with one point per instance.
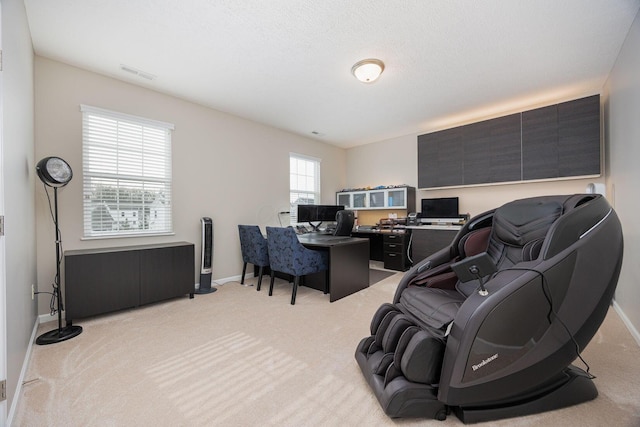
(552, 310)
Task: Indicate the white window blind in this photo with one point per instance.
(126, 163)
(304, 179)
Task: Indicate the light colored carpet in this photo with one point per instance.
(377, 275)
(238, 357)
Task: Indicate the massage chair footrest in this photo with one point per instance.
(400, 397)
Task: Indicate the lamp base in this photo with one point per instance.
(60, 334)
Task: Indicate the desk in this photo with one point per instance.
(348, 264)
(391, 247)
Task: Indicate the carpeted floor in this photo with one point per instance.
(377, 275)
(238, 357)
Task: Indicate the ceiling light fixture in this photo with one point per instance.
(367, 70)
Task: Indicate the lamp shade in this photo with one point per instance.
(368, 70)
(54, 171)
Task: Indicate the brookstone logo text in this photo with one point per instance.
(484, 362)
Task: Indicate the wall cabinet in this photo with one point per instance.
(558, 141)
(100, 281)
(383, 198)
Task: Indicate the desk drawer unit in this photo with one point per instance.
(395, 252)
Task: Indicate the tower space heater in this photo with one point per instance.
(206, 260)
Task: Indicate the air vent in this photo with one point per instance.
(137, 72)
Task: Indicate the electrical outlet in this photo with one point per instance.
(33, 291)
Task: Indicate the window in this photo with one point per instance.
(126, 163)
(304, 180)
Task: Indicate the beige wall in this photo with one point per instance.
(623, 131)
(224, 167)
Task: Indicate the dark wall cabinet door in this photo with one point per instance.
(492, 151)
(579, 137)
(562, 140)
(441, 158)
(558, 141)
(540, 143)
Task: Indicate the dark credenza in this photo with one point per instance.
(103, 280)
(427, 240)
(558, 141)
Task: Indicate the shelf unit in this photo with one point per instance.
(379, 198)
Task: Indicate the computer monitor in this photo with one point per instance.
(443, 207)
(318, 214)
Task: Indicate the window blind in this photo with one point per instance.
(126, 164)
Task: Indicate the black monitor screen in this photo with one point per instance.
(444, 207)
(307, 213)
(313, 213)
(328, 212)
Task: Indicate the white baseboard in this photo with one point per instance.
(632, 329)
(228, 279)
(23, 372)
(44, 318)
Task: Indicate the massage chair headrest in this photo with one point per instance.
(527, 221)
(522, 221)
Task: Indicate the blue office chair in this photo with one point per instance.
(254, 250)
(287, 255)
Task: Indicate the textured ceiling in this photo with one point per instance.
(286, 63)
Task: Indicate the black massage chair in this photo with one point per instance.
(488, 327)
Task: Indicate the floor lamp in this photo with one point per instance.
(55, 172)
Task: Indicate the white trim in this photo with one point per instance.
(126, 236)
(632, 329)
(305, 157)
(23, 372)
(228, 279)
(123, 116)
(525, 181)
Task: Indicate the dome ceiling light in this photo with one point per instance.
(367, 70)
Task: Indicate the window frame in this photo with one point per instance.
(125, 169)
(296, 193)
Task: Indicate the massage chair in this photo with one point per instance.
(489, 326)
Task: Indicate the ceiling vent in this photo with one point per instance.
(137, 72)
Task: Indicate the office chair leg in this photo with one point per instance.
(259, 277)
(295, 289)
(271, 284)
(244, 270)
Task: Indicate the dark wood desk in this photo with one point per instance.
(348, 264)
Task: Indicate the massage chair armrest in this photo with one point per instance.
(513, 292)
